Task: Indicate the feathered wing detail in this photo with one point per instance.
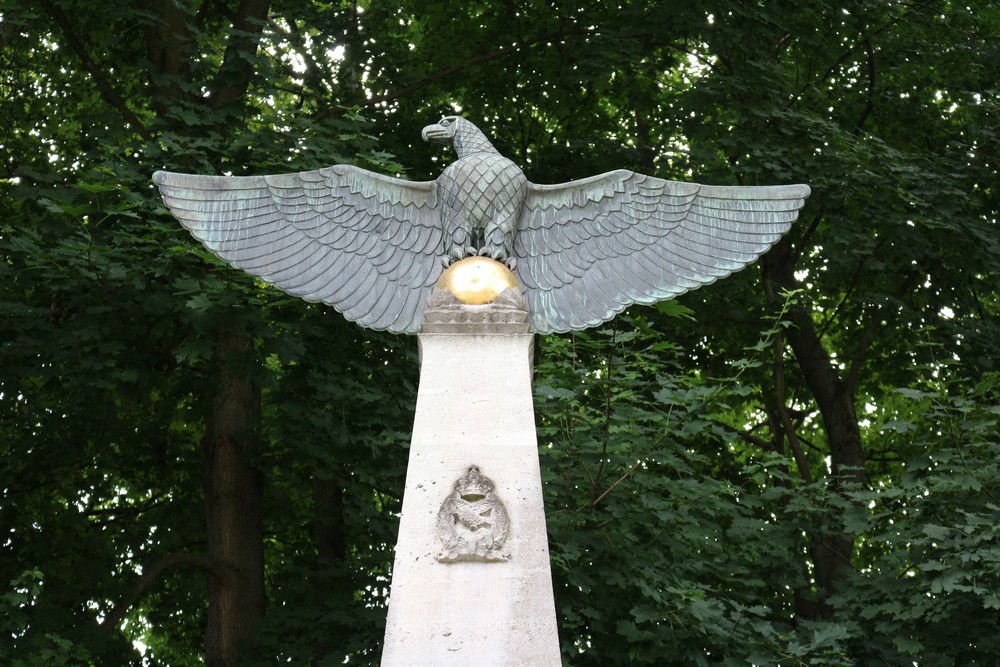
(588, 249)
(367, 244)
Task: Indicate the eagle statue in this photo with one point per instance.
(373, 246)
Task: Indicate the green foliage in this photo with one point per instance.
(671, 550)
(688, 449)
(929, 546)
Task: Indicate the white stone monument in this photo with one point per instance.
(471, 583)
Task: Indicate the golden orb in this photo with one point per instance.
(477, 280)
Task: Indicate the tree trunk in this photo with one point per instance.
(331, 552)
(331, 540)
(233, 484)
(835, 398)
(233, 495)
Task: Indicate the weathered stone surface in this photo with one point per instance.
(446, 314)
(473, 409)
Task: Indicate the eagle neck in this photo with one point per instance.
(469, 139)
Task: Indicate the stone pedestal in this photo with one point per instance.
(471, 583)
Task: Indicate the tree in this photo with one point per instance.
(793, 466)
(193, 328)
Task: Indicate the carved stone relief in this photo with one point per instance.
(472, 523)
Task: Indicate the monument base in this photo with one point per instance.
(471, 583)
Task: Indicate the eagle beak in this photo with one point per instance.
(435, 134)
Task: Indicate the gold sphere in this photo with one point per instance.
(477, 280)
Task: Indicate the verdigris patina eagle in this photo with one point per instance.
(372, 246)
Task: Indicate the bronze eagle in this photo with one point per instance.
(372, 246)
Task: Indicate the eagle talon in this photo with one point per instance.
(453, 256)
(497, 252)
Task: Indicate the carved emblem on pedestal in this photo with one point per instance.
(472, 523)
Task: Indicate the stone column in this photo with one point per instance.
(471, 583)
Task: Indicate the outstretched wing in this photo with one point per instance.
(588, 249)
(367, 244)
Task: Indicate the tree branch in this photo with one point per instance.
(806, 237)
(107, 91)
(870, 96)
(116, 513)
(312, 76)
(861, 351)
(233, 78)
(611, 488)
(851, 286)
(225, 574)
(866, 35)
(980, 310)
(448, 71)
(860, 354)
(609, 390)
(783, 417)
(743, 435)
(167, 39)
(9, 27)
(820, 373)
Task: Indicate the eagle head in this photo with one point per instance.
(441, 132)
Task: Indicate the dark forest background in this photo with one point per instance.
(796, 466)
